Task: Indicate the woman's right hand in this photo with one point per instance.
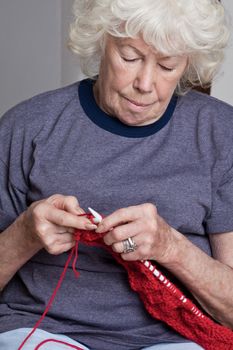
(50, 223)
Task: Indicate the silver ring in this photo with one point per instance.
(129, 245)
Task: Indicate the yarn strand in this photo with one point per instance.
(59, 342)
(72, 252)
(161, 298)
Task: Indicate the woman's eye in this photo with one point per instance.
(167, 69)
(130, 59)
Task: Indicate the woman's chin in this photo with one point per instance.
(136, 121)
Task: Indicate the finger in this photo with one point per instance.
(71, 205)
(140, 251)
(119, 247)
(54, 241)
(60, 248)
(67, 203)
(122, 232)
(70, 230)
(145, 248)
(65, 219)
(63, 229)
(132, 256)
(119, 217)
(65, 238)
(64, 248)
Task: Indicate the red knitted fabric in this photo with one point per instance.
(165, 302)
(162, 299)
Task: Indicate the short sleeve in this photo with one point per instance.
(23, 131)
(221, 218)
(12, 200)
(13, 187)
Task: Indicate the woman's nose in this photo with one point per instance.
(146, 78)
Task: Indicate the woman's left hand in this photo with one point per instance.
(153, 237)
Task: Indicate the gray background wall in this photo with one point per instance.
(34, 57)
(223, 86)
(30, 48)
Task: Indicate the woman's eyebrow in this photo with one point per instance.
(133, 48)
(141, 53)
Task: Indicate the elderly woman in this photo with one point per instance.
(134, 142)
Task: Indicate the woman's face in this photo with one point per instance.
(136, 83)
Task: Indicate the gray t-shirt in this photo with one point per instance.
(61, 142)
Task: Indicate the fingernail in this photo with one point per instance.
(90, 226)
(79, 210)
(99, 228)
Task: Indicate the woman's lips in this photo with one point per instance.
(138, 104)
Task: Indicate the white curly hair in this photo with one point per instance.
(197, 28)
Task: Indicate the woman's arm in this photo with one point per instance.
(209, 279)
(49, 224)
(15, 250)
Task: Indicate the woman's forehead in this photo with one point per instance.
(139, 46)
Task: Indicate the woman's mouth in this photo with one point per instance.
(139, 104)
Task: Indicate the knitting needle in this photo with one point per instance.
(97, 217)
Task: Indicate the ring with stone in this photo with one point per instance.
(129, 245)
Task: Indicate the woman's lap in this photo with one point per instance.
(175, 346)
(12, 340)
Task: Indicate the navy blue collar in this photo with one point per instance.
(113, 125)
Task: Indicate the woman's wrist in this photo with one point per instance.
(19, 245)
(172, 255)
(22, 233)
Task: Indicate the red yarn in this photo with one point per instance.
(73, 251)
(71, 346)
(165, 302)
(161, 298)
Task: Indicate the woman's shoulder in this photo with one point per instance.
(200, 109)
(41, 105)
(201, 103)
(209, 120)
(34, 119)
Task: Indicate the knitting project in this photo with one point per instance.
(161, 298)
